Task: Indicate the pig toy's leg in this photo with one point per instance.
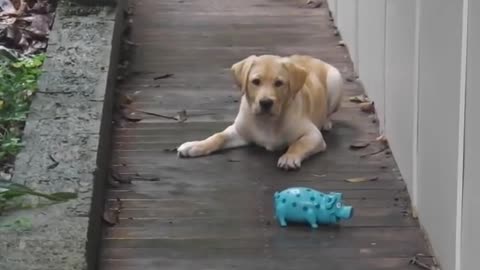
(280, 215)
(311, 218)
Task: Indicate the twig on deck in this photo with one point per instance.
(375, 153)
(158, 115)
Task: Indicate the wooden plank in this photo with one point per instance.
(353, 241)
(258, 261)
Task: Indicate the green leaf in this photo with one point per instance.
(21, 224)
(63, 196)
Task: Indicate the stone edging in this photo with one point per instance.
(70, 122)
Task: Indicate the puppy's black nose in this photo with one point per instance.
(266, 104)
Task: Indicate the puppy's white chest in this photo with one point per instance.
(269, 138)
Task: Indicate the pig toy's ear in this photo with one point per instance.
(329, 200)
(338, 196)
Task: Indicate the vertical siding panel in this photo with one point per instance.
(371, 52)
(471, 200)
(347, 24)
(439, 99)
(400, 85)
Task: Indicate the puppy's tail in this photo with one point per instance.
(334, 89)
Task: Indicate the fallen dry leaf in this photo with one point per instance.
(351, 78)
(25, 26)
(375, 152)
(315, 3)
(359, 99)
(131, 115)
(129, 42)
(41, 7)
(164, 76)
(39, 24)
(420, 261)
(111, 215)
(5, 176)
(367, 107)
(7, 7)
(359, 145)
(182, 116)
(120, 179)
(382, 139)
(361, 179)
(341, 43)
(144, 178)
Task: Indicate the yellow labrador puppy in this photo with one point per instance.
(286, 102)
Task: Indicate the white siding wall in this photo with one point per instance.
(410, 57)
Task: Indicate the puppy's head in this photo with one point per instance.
(269, 82)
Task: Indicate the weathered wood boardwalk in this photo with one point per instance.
(216, 212)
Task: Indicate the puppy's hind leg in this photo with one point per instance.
(229, 138)
(335, 95)
(334, 90)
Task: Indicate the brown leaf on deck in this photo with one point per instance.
(120, 179)
(7, 7)
(375, 152)
(359, 99)
(26, 26)
(361, 179)
(131, 115)
(359, 145)
(182, 116)
(382, 139)
(164, 76)
(419, 260)
(367, 107)
(111, 215)
(315, 3)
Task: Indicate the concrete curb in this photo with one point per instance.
(70, 121)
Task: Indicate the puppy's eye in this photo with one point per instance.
(278, 83)
(256, 81)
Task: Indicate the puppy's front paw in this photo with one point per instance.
(192, 149)
(289, 162)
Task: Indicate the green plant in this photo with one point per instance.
(10, 191)
(18, 83)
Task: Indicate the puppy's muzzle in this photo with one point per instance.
(266, 104)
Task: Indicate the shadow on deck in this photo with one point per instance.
(216, 212)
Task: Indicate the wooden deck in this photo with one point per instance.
(216, 212)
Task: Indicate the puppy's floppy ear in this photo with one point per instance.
(297, 74)
(240, 71)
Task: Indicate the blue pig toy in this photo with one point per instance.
(301, 204)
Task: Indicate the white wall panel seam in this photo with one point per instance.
(461, 136)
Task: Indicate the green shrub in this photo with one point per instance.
(18, 83)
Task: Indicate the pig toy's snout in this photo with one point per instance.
(345, 212)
